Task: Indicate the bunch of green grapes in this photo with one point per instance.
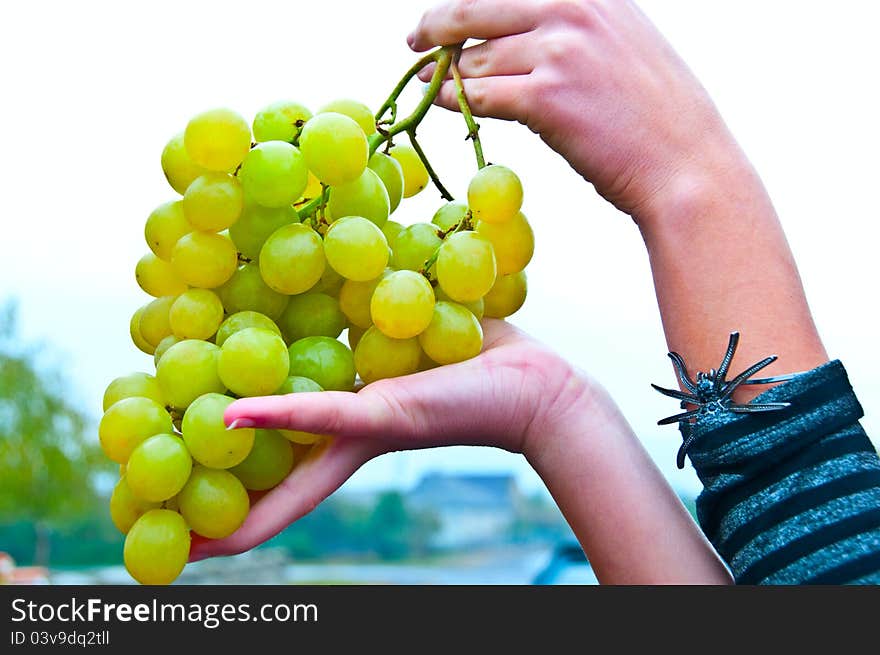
(279, 242)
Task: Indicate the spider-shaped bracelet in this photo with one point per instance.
(712, 393)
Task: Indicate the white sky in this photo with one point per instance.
(93, 90)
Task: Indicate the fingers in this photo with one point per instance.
(457, 20)
(339, 413)
(507, 55)
(498, 97)
(310, 482)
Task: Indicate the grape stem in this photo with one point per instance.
(465, 223)
(473, 127)
(391, 102)
(433, 175)
(443, 56)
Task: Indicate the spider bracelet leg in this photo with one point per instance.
(669, 420)
(757, 408)
(681, 369)
(728, 358)
(731, 386)
(678, 395)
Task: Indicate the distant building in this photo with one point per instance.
(473, 510)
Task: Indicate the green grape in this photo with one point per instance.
(206, 436)
(355, 297)
(495, 194)
(164, 228)
(157, 277)
(274, 174)
(256, 224)
(137, 338)
(466, 266)
(449, 215)
(133, 385)
(268, 463)
(389, 171)
(402, 304)
(507, 295)
(196, 314)
(324, 360)
(364, 196)
(204, 260)
(312, 315)
(246, 291)
(414, 246)
(475, 307)
(391, 230)
(298, 384)
(155, 324)
(158, 468)
(330, 283)
(335, 148)
(128, 422)
(157, 547)
(280, 121)
(378, 357)
(163, 347)
(188, 370)
(357, 111)
(513, 243)
(356, 248)
(217, 139)
(241, 321)
(415, 175)
(126, 508)
(454, 334)
(354, 336)
(292, 259)
(214, 503)
(253, 362)
(213, 202)
(179, 169)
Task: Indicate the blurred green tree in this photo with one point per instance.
(397, 531)
(388, 526)
(47, 462)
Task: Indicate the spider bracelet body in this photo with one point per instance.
(712, 393)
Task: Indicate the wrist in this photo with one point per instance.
(699, 190)
(581, 410)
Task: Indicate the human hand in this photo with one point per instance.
(510, 396)
(596, 80)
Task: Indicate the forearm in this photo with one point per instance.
(630, 523)
(721, 263)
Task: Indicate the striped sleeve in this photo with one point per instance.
(793, 497)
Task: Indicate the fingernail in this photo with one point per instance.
(411, 39)
(241, 423)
